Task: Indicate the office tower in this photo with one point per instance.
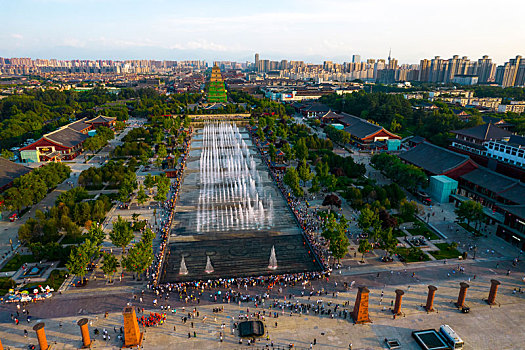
(256, 62)
(356, 59)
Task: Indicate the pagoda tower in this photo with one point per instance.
(216, 89)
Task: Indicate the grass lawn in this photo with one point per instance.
(398, 233)
(423, 231)
(17, 261)
(412, 255)
(402, 219)
(445, 252)
(55, 280)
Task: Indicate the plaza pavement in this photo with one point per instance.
(485, 327)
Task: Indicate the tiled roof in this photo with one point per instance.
(100, 119)
(490, 180)
(515, 193)
(359, 127)
(484, 132)
(434, 159)
(79, 125)
(10, 171)
(516, 140)
(517, 210)
(66, 137)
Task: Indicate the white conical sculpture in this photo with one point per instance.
(183, 270)
(209, 266)
(273, 260)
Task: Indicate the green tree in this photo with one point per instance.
(142, 197)
(469, 211)
(271, 152)
(331, 183)
(7, 154)
(80, 257)
(139, 257)
(122, 233)
(96, 233)
(407, 209)
(109, 265)
(369, 219)
(149, 181)
(335, 232)
(291, 178)
(288, 151)
(304, 171)
(300, 149)
(315, 188)
(388, 241)
(162, 153)
(364, 247)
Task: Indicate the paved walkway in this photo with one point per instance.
(484, 327)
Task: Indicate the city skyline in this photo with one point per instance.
(306, 30)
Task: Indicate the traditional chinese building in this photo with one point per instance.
(216, 88)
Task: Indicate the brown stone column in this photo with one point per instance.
(430, 298)
(397, 305)
(462, 294)
(360, 313)
(494, 284)
(41, 335)
(132, 335)
(86, 340)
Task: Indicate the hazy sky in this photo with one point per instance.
(286, 29)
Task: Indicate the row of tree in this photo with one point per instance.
(136, 260)
(101, 138)
(32, 187)
(406, 175)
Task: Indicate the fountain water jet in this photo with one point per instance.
(273, 260)
(183, 270)
(209, 267)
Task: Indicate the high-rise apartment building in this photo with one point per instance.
(485, 70)
(506, 74)
(356, 59)
(256, 62)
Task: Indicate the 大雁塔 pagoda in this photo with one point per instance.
(216, 88)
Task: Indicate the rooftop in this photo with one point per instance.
(484, 132)
(10, 171)
(490, 180)
(66, 137)
(434, 159)
(359, 127)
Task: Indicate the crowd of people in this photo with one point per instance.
(164, 227)
(309, 222)
(192, 292)
(154, 319)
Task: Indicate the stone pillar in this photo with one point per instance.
(360, 313)
(462, 294)
(41, 335)
(430, 298)
(493, 291)
(86, 340)
(397, 305)
(132, 335)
